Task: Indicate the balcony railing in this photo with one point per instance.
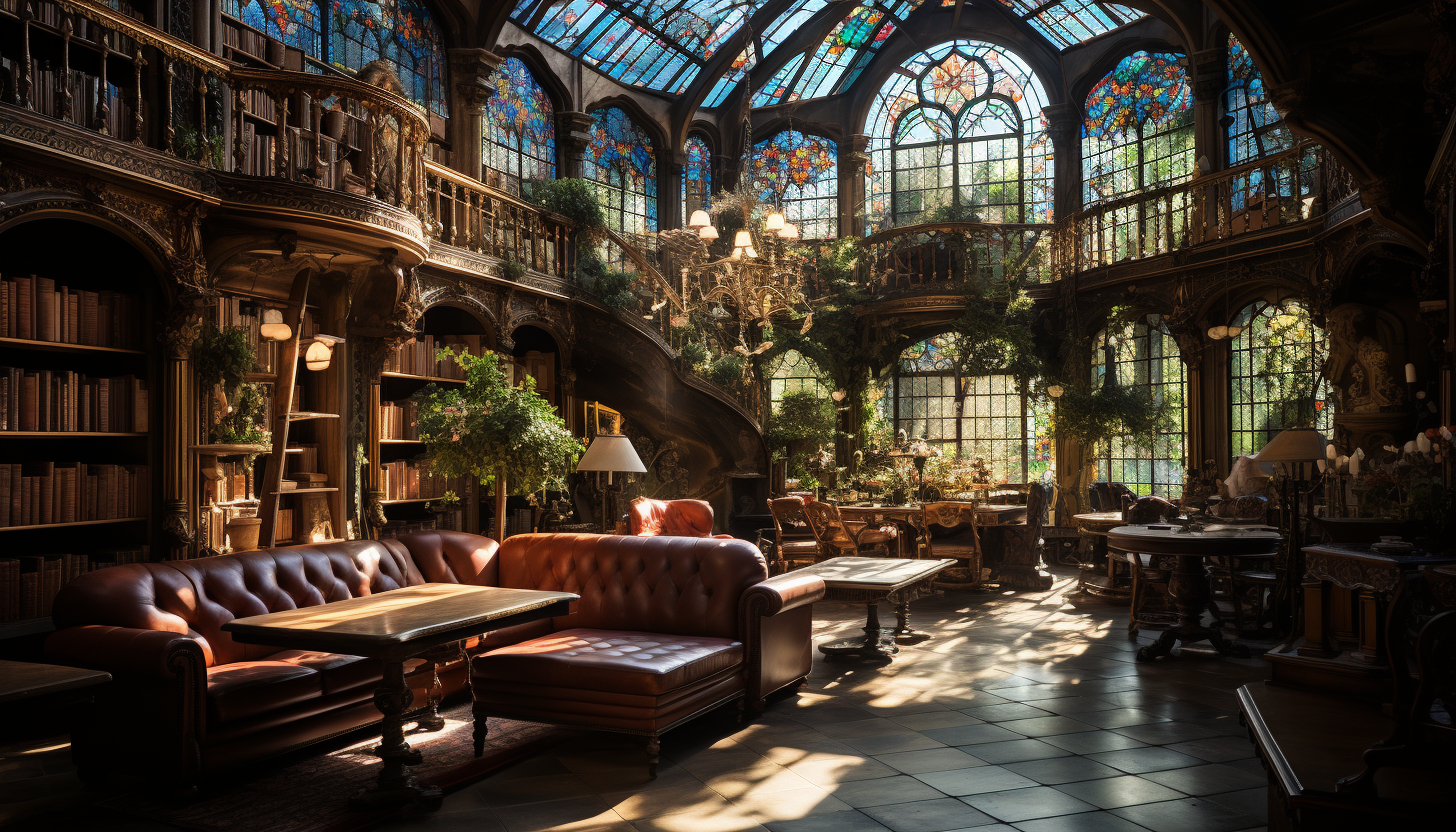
(465, 213)
(919, 257)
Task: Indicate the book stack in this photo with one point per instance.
(232, 485)
(399, 420)
(42, 493)
(244, 40)
(407, 479)
(36, 309)
(63, 400)
(28, 584)
(419, 358)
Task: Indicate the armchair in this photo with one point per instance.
(794, 542)
(672, 518)
(951, 533)
(835, 538)
(1019, 564)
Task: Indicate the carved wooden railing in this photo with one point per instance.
(465, 213)
(104, 69)
(917, 257)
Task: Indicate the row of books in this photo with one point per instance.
(449, 520)
(41, 493)
(418, 358)
(258, 152)
(410, 479)
(399, 420)
(36, 309)
(28, 584)
(231, 484)
(64, 400)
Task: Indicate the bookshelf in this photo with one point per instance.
(79, 470)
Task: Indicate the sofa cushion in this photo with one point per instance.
(611, 660)
(340, 672)
(244, 689)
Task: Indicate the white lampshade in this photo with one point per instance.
(750, 252)
(1212, 332)
(774, 222)
(1055, 391)
(699, 219)
(611, 452)
(742, 239)
(1294, 445)
(318, 355)
(707, 232)
(273, 328)
(1219, 332)
(789, 232)
(1233, 331)
(737, 254)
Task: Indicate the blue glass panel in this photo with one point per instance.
(399, 31)
(697, 178)
(297, 23)
(520, 127)
(1070, 22)
(800, 174)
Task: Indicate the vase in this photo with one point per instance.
(242, 533)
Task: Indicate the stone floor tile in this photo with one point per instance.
(1027, 804)
(1057, 770)
(556, 814)
(765, 778)
(634, 805)
(1118, 718)
(978, 780)
(1070, 705)
(1248, 801)
(873, 727)
(1116, 792)
(1164, 733)
(1216, 749)
(1016, 751)
(827, 769)
(701, 820)
(971, 734)
(903, 741)
(940, 815)
(1142, 760)
(850, 821)
(1206, 779)
(1046, 726)
(1007, 711)
(931, 759)
(1091, 742)
(1187, 815)
(936, 719)
(1028, 693)
(788, 805)
(898, 789)
(1085, 822)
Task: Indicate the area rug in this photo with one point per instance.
(311, 795)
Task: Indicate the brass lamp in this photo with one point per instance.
(610, 452)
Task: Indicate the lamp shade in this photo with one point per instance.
(273, 328)
(742, 239)
(707, 232)
(789, 232)
(773, 222)
(699, 219)
(611, 452)
(1294, 445)
(318, 355)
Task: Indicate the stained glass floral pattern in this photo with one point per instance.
(839, 59)
(399, 32)
(1138, 131)
(800, 174)
(697, 178)
(959, 126)
(520, 127)
(622, 160)
(1255, 128)
(1070, 22)
(296, 23)
(1145, 89)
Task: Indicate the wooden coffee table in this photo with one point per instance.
(870, 581)
(26, 680)
(395, 626)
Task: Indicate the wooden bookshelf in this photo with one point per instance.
(286, 491)
(401, 441)
(65, 434)
(58, 346)
(430, 379)
(303, 416)
(72, 524)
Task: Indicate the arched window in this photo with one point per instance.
(985, 416)
(1255, 129)
(401, 33)
(622, 160)
(520, 128)
(959, 128)
(800, 174)
(1138, 133)
(1145, 354)
(1275, 378)
(697, 178)
(296, 23)
(793, 373)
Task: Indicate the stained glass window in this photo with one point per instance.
(985, 416)
(839, 59)
(800, 174)
(520, 128)
(1256, 129)
(1138, 133)
(1145, 354)
(1070, 22)
(623, 162)
(959, 128)
(793, 373)
(296, 23)
(1275, 378)
(399, 32)
(697, 178)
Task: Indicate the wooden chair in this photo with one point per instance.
(836, 539)
(1018, 564)
(1248, 583)
(1060, 541)
(950, 532)
(794, 543)
(1151, 604)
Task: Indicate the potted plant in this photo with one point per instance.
(493, 431)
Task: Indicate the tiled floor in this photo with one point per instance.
(1024, 712)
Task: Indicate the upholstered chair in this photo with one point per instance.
(1019, 564)
(837, 539)
(1151, 510)
(951, 533)
(672, 518)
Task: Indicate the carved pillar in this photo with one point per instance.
(472, 71)
(854, 161)
(367, 357)
(573, 136)
(179, 427)
(670, 163)
(1063, 126)
(1209, 74)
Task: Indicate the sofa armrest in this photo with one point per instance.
(782, 593)
(124, 650)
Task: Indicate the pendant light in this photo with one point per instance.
(273, 328)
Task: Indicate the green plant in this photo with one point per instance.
(224, 358)
(488, 425)
(1093, 418)
(802, 424)
(515, 270)
(726, 371)
(243, 423)
(574, 199)
(194, 145)
(693, 354)
(445, 502)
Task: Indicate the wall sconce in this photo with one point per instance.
(1054, 390)
(321, 352)
(273, 328)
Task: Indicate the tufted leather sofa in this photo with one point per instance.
(675, 518)
(667, 628)
(188, 701)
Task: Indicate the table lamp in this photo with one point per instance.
(1296, 447)
(610, 452)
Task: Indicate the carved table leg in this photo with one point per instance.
(654, 748)
(429, 719)
(875, 643)
(1191, 592)
(395, 784)
(903, 632)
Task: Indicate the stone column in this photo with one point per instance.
(670, 165)
(472, 71)
(1064, 123)
(573, 137)
(180, 406)
(854, 161)
(1208, 73)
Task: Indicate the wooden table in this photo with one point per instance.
(913, 516)
(1190, 586)
(395, 626)
(1093, 527)
(26, 680)
(870, 581)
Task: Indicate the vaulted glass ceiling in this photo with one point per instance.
(665, 44)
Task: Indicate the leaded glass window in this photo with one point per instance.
(1255, 129)
(794, 373)
(839, 59)
(1138, 133)
(697, 178)
(622, 160)
(520, 127)
(399, 32)
(959, 130)
(1070, 22)
(984, 416)
(1275, 375)
(1145, 354)
(800, 174)
(296, 23)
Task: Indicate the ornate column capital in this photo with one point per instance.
(573, 131)
(1208, 71)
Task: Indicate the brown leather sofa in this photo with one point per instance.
(667, 628)
(188, 701)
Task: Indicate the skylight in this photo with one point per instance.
(1069, 22)
(839, 59)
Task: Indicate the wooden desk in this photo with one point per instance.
(1190, 586)
(394, 626)
(870, 581)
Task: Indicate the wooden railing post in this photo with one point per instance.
(68, 104)
(169, 127)
(103, 96)
(138, 121)
(26, 81)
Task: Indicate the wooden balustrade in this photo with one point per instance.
(463, 212)
(915, 257)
